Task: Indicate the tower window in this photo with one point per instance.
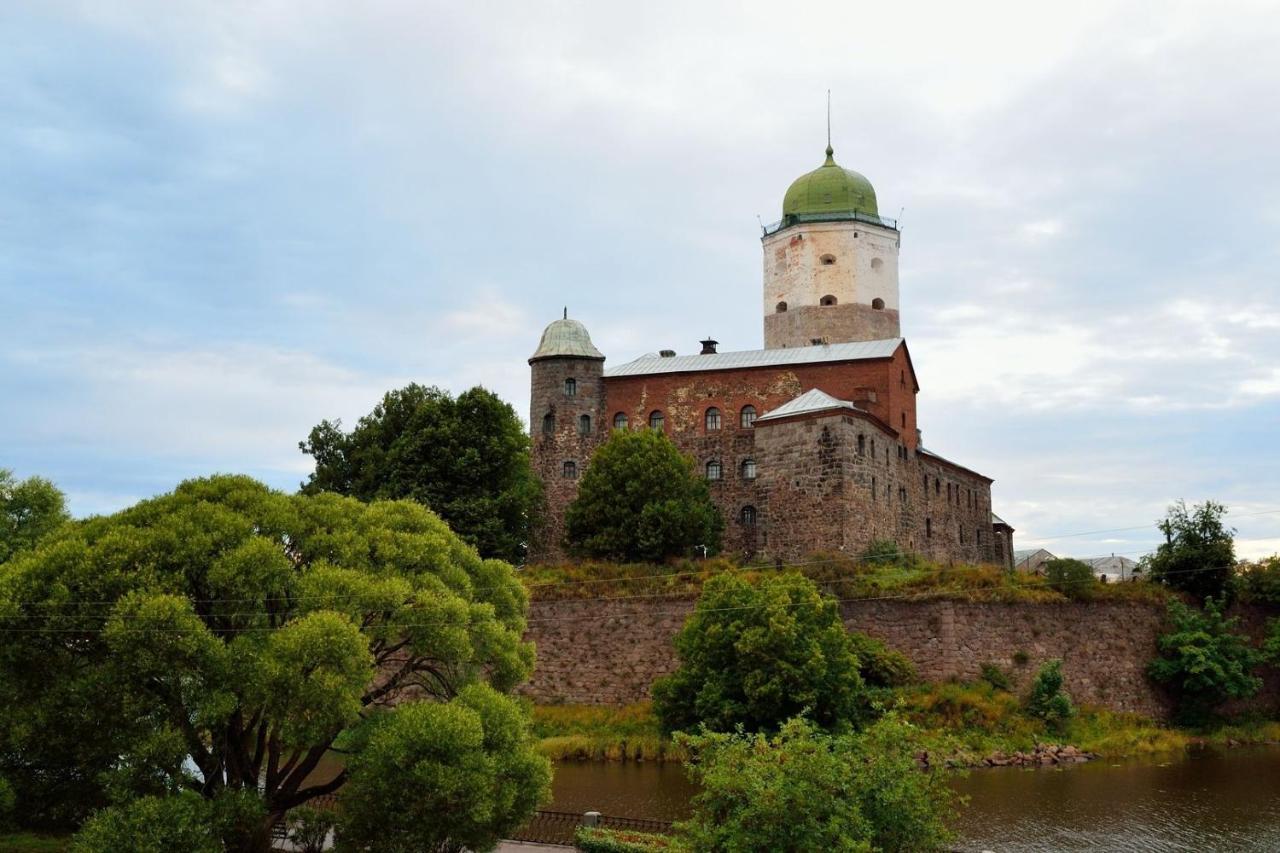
(748, 469)
(877, 264)
(862, 445)
(656, 420)
(827, 300)
(548, 424)
(620, 420)
(873, 488)
(928, 528)
(712, 419)
(747, 417)
(877, 304)
(782, 307)
(714, 471)
(571, 387)
(570, 470)
(904, 420)
(584, 425)
(747, 516)
(828, 260)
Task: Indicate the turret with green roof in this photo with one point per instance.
(829, 189)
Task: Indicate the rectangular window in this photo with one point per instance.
(570, 470)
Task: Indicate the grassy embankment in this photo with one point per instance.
(33, 842)
(963, 723)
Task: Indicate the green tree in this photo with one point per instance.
(1073, 578)
(30, 509)
(1204, 661)
(467, 459)
(754, 655)
(222, 638)
(641, 499)
(1259, 582)
(472, 759)
(1047, 699)
(803, 790)
(1198, 553)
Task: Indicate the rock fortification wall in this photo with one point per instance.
(610, 652)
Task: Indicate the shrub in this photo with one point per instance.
(1259, 582)
(641, 499)
(1198, 554)
(309, 828)
(444, 776)
(591, 839)
(1047, 699)
(152, 825)
(995, 676)
(1203, 661)
(804, 790)
(884, 553)
(1072, 578)
(879, 665)
(754, 655)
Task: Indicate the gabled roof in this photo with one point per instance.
(814, 400)
(647, 365)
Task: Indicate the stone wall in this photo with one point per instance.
(610, 652)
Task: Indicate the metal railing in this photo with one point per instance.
(834, 216)
(547, 827)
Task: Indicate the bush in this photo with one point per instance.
(805, 790)
(444, 776)
(1203, 661)
(1047, 700)
(152, 825)
(309, 828)
(879, 665)
(1259, 582)
(591, 839)
(754, 655)
(1072, 578)
(885, 553)
(1198, 554)
(995, 676)
(641, 499)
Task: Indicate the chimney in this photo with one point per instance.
(667, 353)
(709, 347)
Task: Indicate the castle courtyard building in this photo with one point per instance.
(810, 444)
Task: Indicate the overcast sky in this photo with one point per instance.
(221, 223)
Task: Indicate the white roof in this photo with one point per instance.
(810, 401)
(856, 351)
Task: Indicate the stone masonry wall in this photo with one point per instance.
(609, 653)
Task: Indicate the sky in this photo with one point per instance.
(223, 222)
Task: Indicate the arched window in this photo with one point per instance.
(570, 470)
(712, 419)
(748, 469)
(571, 387)
(713, 470)
(548, 424)
(827, 300)
(877, 304)
(782, 306)
(620, 420)
(747, 516)
(656, 420)
(827, 260)
(584, 424)
(747, 417)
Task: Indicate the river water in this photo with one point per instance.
(1209, 801)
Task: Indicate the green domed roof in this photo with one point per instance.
(830, 189)
(566, 338)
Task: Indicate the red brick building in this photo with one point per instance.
(810, 444)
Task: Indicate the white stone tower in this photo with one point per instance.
(830, 264)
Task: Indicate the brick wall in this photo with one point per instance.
(610, 652)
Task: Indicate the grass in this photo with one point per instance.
(960, 724)
(904, 576)
(33, 842)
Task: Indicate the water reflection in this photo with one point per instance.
(1210, 802)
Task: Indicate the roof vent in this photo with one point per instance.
(709, 347)
(667, 353)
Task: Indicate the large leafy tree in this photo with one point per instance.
(802, 790)
(1198, 554)
(754, 655)
(30, 509)
(222, 639)
(466, 458)
(641, 499)
(1204, 661)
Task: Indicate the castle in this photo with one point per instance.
(810, 444)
